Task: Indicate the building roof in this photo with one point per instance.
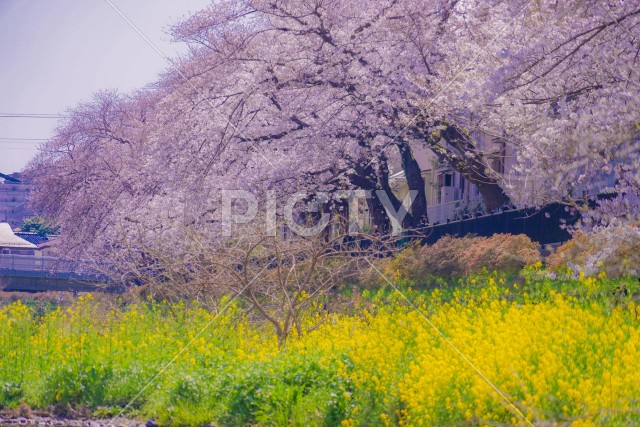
(34, 238)
(10, 178)
(9, 240)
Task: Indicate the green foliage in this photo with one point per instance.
(39, 225)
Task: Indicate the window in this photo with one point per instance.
(448, 180)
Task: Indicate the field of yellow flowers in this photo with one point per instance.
(544, 352)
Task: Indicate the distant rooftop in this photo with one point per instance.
(34, 238)
(9, 240)
(12, 178)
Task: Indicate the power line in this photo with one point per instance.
(22, 139)
(32, 116)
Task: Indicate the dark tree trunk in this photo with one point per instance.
(379, 217)
(492, 194)
(333, 208)
(367, 179)
(415, 182)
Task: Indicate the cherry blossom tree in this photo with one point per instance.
(321, 95)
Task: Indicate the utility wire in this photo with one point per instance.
(22, 139)
(31, 116)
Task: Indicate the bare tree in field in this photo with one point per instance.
(281, 281)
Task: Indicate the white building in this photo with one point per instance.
(10, 244)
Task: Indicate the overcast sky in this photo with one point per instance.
(56, 53)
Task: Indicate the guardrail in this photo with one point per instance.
(47, 266)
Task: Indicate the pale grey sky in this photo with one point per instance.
(56, 53)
